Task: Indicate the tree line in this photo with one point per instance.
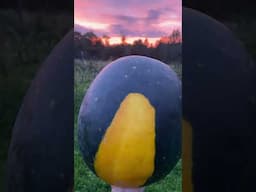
(90, 46)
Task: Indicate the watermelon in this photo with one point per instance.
(216, 87)
(41, 150)
(129, 123)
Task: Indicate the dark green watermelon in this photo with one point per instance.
(133, 74)
(41, 151)
(217, 86)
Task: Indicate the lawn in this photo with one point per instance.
(85, 180)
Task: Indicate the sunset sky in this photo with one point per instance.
(133, 18)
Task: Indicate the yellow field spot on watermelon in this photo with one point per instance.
(126, 154)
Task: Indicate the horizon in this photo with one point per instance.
(147, 19)
(117, 40)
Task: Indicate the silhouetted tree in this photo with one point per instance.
(167, 49)
(123, 40)
(106, 40)
(146, 43)
(175, 37)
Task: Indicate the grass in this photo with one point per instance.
(85, 180)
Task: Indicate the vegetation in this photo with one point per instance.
(85, 180)
(90, 46)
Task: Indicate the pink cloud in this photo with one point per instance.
(149, 18)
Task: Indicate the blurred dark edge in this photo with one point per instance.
(223, 9)
(48, 5)
(239, 17)
(28, 33)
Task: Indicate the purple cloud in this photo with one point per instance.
(144, 18)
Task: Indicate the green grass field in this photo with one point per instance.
(85, 180)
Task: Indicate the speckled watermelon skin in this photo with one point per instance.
(139, 74)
